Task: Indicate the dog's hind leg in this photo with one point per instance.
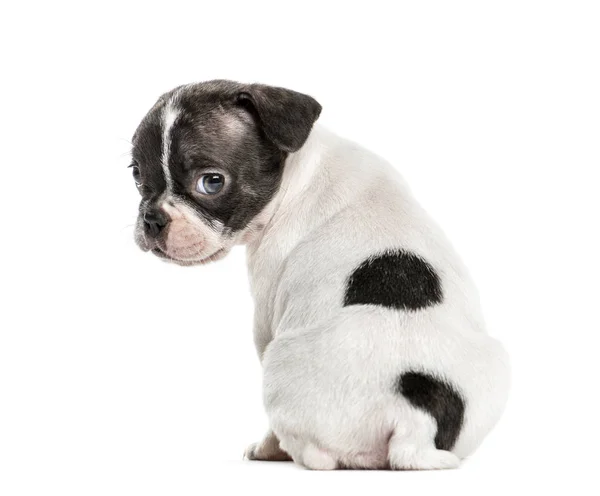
(315, 458)
(309, 455)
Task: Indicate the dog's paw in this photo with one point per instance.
(250, 452)
(267, 452)
(426, 459)
(314, 458)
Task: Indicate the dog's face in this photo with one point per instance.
(207, 159)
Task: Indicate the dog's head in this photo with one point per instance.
(207, 159)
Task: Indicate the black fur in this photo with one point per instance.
(440, 400)
(394, 279)
(274, 122)
(286, 116)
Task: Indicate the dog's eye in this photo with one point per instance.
(135, 171)
(210, 184)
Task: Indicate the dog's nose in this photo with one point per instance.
(154, 221)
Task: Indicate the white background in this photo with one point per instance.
(121, 375)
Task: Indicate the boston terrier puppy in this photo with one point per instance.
(367, 325)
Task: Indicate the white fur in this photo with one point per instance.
(329, 370)
(170, 114)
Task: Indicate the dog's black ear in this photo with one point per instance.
(285, 116)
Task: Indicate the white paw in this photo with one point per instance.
(250, 453)
(429, 459)
(317, 459)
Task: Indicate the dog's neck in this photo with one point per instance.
(299, 173)
(301, 167)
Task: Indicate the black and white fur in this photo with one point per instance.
(366, 323)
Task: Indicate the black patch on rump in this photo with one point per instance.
(395, 279)
(440, 400)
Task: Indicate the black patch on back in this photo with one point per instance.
(395, 279)
(439, 399)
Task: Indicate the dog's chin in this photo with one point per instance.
(190, 261)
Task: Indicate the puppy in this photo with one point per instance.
(367, 325)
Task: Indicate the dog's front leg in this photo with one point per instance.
(267, 450)
(261, 331)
